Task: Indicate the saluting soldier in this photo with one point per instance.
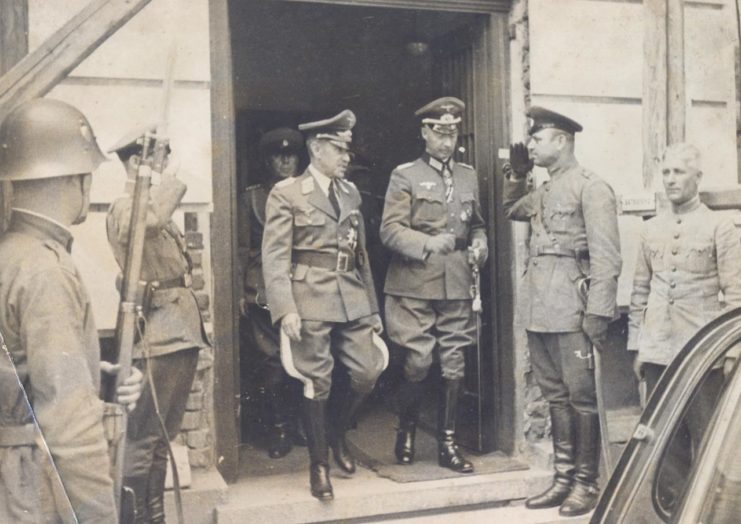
(432, 223)
(48, 152)
(173, 333)
(279, 150)
(574, 236)
(687, 255)
(320, 289)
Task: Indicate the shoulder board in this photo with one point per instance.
(466, 166)
(285, 183)
(405, 166)
(307, 185)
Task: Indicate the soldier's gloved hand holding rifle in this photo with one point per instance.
(520, 163)
(129, 391)
(595, 327)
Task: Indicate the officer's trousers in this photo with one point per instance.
(172, 375)
(561, 368)
(421, 325)
(312, 358)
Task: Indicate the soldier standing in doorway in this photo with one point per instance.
(432, 223)
(173, 332)
(48, 152)
(279, 150)
(320, 289)
(574, 236)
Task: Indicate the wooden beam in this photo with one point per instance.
(224, 245)
(654, 87)
(37, 73)
(676, 89)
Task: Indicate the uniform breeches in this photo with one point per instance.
(561, 368)
(172, 375)
(422, 325)
(262, 360)
(311, 360)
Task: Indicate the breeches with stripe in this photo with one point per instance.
(421, 325)
(311, 360)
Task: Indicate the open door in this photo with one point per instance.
(462, 67)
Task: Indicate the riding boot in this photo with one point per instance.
(346, 411)
(585, 493)
(156, 490)
(279, 442)
(139, 486)
(315, 414)
(410, 400)
(449, 456)
(562, 429)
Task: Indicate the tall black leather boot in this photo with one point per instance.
(410, 400)
(279, 441)
(139, 486)
(315, 413)
(562, 429)
(585, 493)
(449, 456)
(156, 490)
(347, 408)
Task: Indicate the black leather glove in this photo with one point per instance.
(520, 160)
(595, 328)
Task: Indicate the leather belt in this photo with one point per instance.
(181, 281)
(536, 251)
(14, 436)
(340, 262)
(461, 244)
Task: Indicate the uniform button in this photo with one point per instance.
(674, 269)
(676, 235)
(679, 221)
(535, 262)
(547, 188)
(452, 214)
(672, 284)
(671, 301)
(675, 251)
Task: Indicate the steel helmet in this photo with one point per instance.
(45, 138)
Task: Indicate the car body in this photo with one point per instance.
(652, 482)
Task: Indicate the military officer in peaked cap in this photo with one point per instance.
(48, 152)
(173, 333)
(432, 223)
(320, 290)
(279, 151)
(574, 237)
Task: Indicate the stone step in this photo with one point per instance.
(207, 490)
(516, 513)
(286, 499)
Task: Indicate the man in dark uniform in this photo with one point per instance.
(320, 289)
(173, 333)
(279, 151)
(432, 223)
(48, 151)
(574, 236)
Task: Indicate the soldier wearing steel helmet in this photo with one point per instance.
(48, 152)
(173, 333)
(433, 225)
(320, 290)
(573, 219)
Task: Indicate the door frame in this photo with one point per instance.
(224, 260)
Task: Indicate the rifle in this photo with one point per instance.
(130, 312)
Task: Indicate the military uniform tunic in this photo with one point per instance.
(574, 234)
(430, 291)
(686, 258)
(47, 321)
(303, 237)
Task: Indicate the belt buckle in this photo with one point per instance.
(188, 280)
(343, 262)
